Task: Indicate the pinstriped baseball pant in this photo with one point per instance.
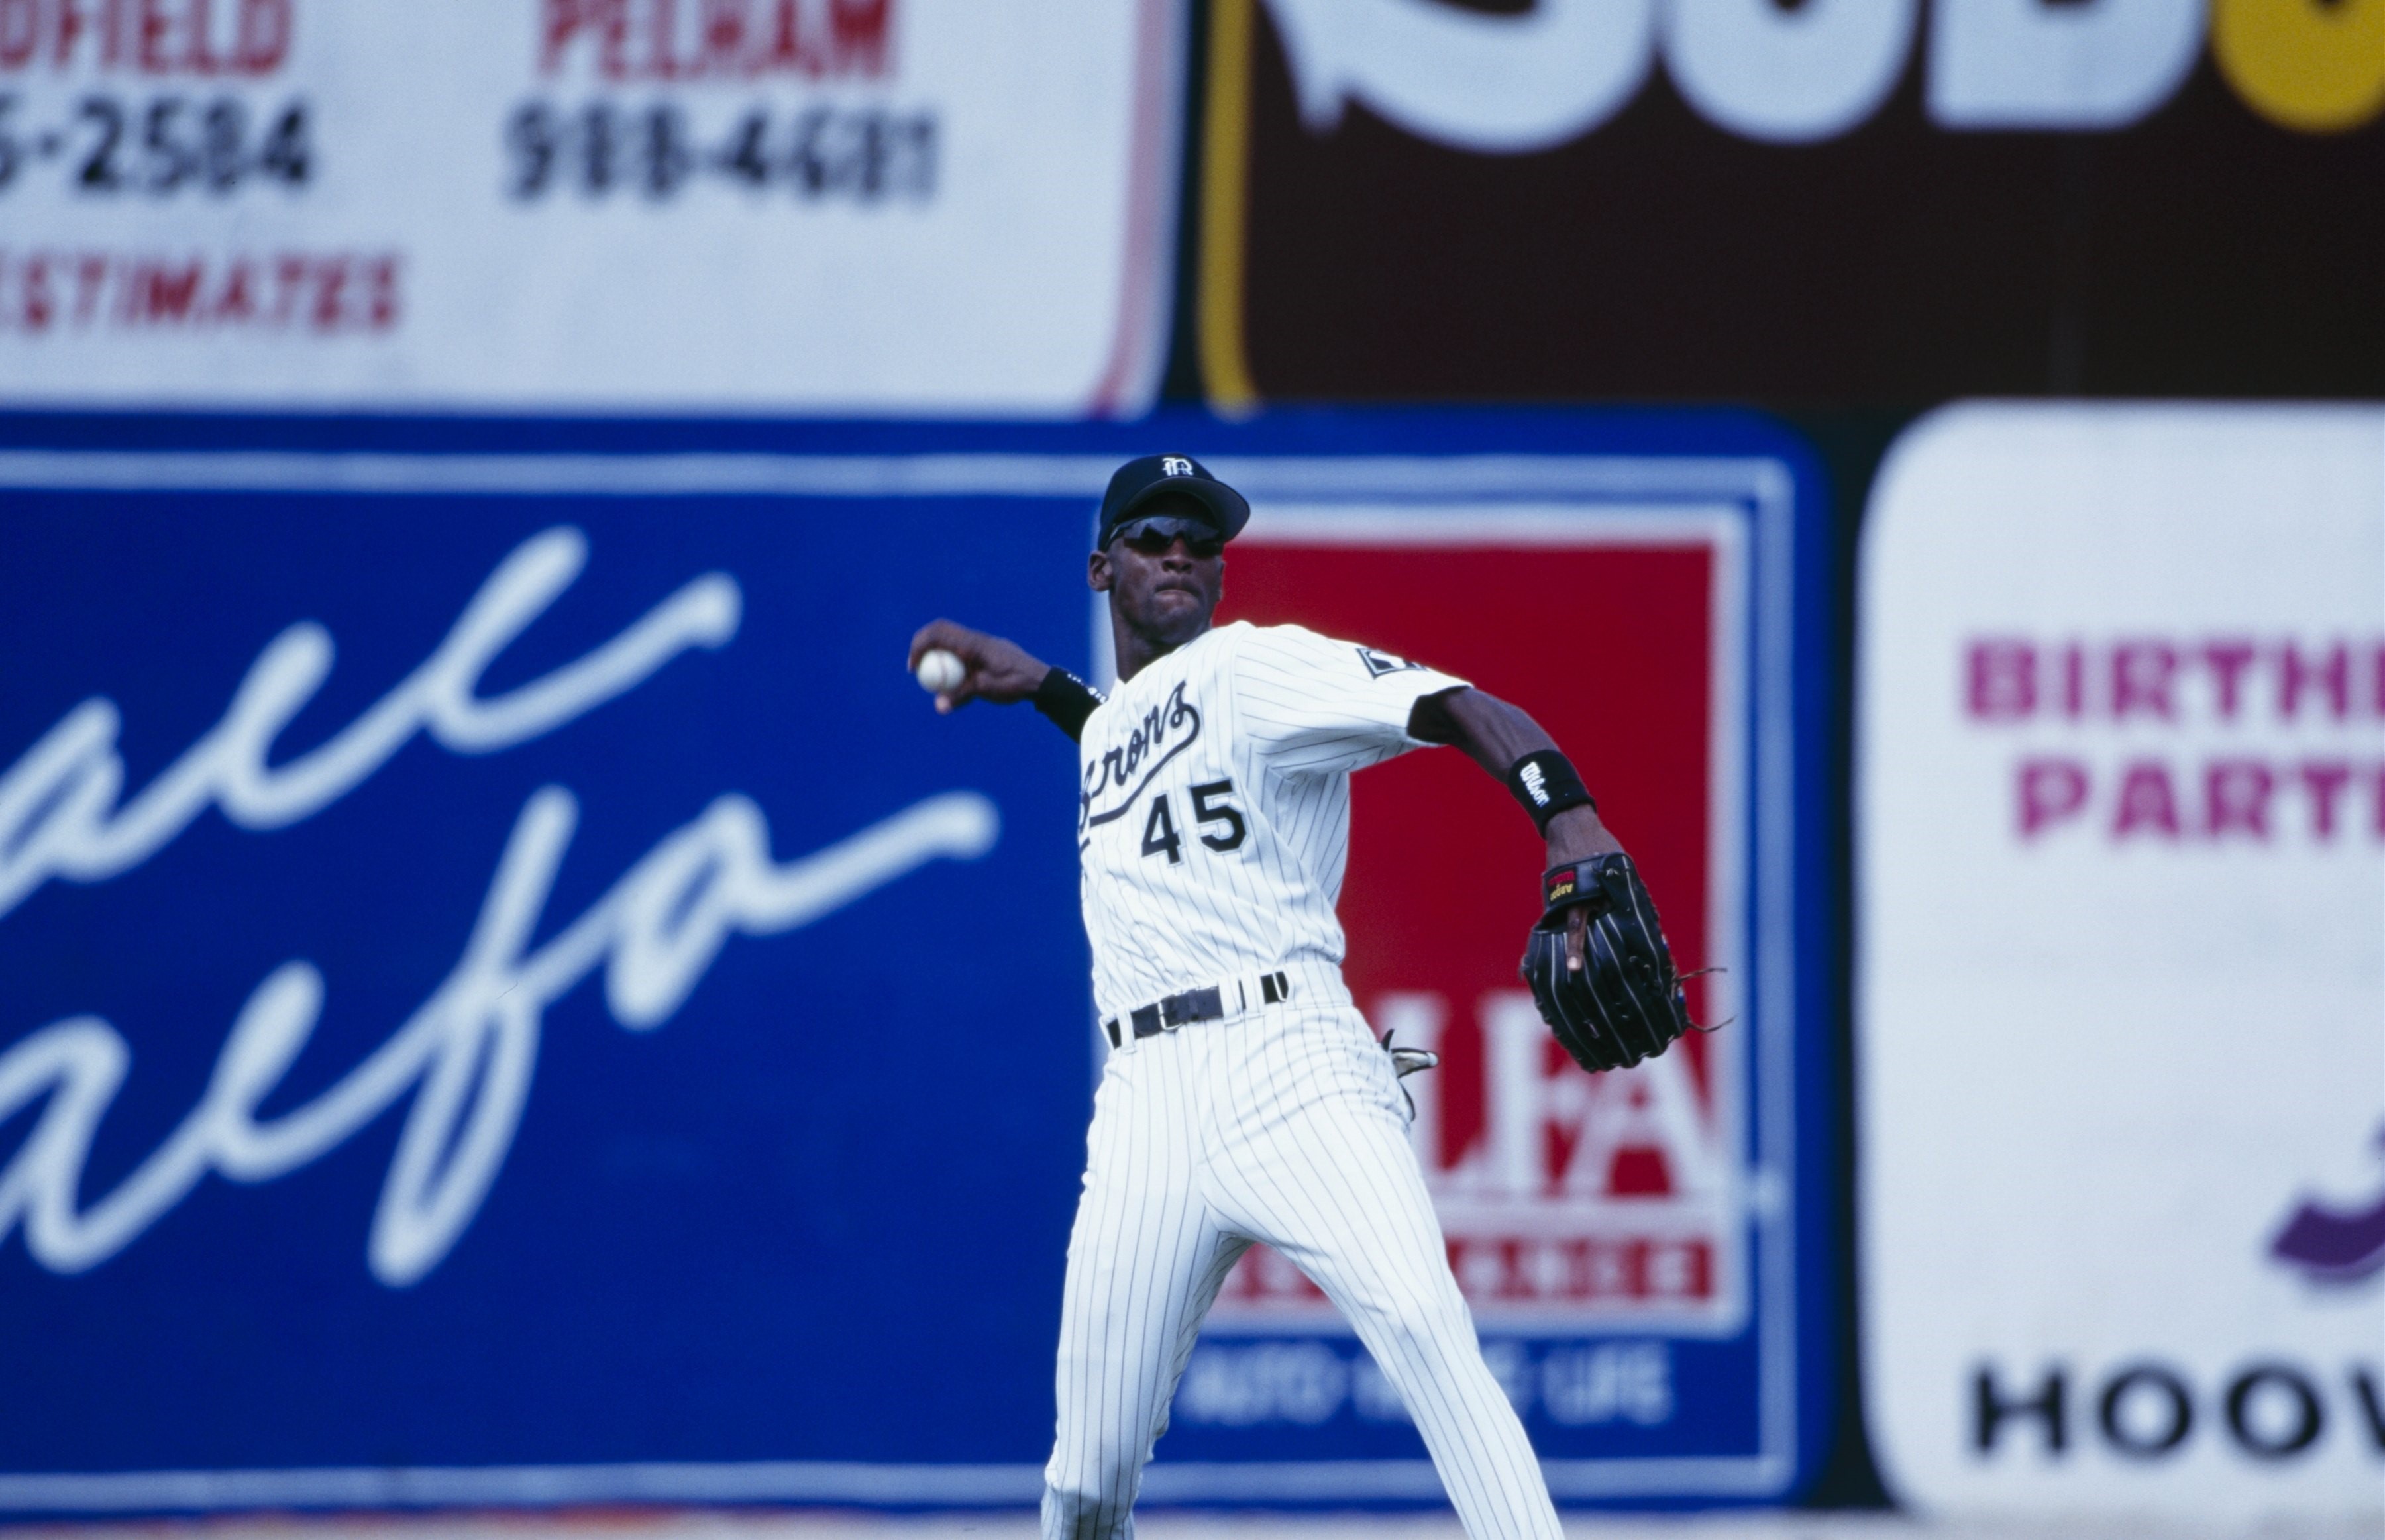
(1284, 1126)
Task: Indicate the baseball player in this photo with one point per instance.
(1245, 1099)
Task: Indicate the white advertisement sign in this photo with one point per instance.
(810, 206)
(2121, 961)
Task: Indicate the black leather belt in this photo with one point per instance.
(1197, 1005)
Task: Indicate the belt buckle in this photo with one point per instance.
(1206, 1004)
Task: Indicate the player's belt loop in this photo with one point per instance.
(1275, 987)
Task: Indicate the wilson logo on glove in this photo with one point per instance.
(1624, 1003)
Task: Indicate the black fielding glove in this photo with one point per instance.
(1626, 1003)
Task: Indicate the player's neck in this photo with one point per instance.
(1137, 652)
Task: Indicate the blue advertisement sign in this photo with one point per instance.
(514, 997)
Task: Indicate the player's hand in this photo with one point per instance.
(1577, 835)
(999, 670)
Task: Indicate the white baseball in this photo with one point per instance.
(939, 671)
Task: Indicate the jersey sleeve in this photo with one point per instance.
(1312, 704)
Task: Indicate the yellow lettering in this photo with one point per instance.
(2316, 66)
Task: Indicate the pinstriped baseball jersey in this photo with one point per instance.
(1213, 828)
(1214, 809)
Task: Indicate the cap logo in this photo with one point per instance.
(1173, 464)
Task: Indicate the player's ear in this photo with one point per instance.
(1097, 572)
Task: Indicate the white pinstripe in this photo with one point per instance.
(1281, 1124)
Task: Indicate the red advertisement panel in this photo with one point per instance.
(1569, 1200)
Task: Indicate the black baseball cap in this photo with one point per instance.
(1138, 483)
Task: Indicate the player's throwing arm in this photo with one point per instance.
(1600, 969)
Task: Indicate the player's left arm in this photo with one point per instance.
(1498, 736)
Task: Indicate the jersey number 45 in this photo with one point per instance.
(1159, 836)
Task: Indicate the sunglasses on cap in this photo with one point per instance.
(1152, 534)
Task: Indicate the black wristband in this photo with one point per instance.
(1544, 782)
(1067, 700)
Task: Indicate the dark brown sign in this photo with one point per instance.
(1867, 201)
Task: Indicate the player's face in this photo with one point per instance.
(1164, 593)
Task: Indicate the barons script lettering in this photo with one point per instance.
(1127, 756)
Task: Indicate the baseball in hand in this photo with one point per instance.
(939, 671)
